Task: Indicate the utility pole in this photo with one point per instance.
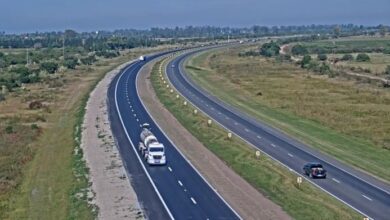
(27, 58)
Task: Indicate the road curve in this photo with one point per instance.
(360, 191)
(175, 191)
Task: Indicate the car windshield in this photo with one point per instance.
(316, 166)
(156, 149)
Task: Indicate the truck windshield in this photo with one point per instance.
(156, 149)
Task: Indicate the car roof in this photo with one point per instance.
(314, 164)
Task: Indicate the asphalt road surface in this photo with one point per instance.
(175, 190)
(360, 191)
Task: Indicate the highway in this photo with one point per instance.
(360, 191)
(173, 191)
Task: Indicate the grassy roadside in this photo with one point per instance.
(270, 178)
(347, 121)
(54, 183)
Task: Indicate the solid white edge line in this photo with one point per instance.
(290, 155)
(178, 150)
(253, 146)
(135, 150)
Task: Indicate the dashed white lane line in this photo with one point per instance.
(170, 169)
(337, 181)
(135, 115)
(219, 113)
(368, 198)
(235, 123)
(137, 120)
(273, 145)
(258, 137)
(132, 110)
(246, 130)
(290, 155)
(180, 183)
(227, 118)
(212, 108)
(193, 200)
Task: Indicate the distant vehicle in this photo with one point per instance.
(142, 58)
(314, 170)
(152, 151)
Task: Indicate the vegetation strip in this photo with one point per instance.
(336, 116)
(300, 201)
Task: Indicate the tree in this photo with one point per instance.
(50, 67)
(382, 30)
(299, 50)
(336, 31)
(347, 57)
(324, 68)
(305, 61)
(362, 57)
(322, 57)
(270, 49)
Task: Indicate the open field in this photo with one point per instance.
(377, 64)
(42, 176)
(267, 176)
(341, 118)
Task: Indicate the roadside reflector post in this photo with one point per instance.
(185, 103)
(299, 181)
(165, 82)
(365, 218)
(171, 90)
(195, 111)
(177, 96)
(209, 122)
(229, 135)
(258, 154)
(167, 86)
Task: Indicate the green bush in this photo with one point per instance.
(322, 57)
(270, 49)
(50, 67)
(9, 129)
(299, 50)
(347, 57)
(305, 61)
(362, 57)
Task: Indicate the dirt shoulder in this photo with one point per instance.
(114, 195)
(245, 199)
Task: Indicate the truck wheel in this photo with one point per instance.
(311, 176)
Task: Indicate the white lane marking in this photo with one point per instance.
(258, 137)
(246, 130)
(132, 110)
(180, 183)
(135, 115)
(367, 197)
(219, 113)
(131, 106)
(137, 120)
(170, 169)
(132, 144)
(290, 155)
(212, 108)
(227, 118)
(193, 200)
(235, 123)
(337, 181)
(273, 145)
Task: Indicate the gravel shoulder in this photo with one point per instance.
(245, 199)
(114, 195)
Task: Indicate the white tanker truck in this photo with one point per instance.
(152, 151)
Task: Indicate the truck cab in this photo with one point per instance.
(156, 154)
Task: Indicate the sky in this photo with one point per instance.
(22, 16)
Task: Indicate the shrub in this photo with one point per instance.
(387, 70)
(50, 67)
(70, 62)
(2, 97)
(270, 49)
(299, 50)
(35, 105)
(362, 57)
(347, 57)
(305, 61)
(322, 57)
(34, 126)
(9, 129)
(89, 60)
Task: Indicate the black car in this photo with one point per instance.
(314, 170)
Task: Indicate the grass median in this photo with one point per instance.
(267, 176)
